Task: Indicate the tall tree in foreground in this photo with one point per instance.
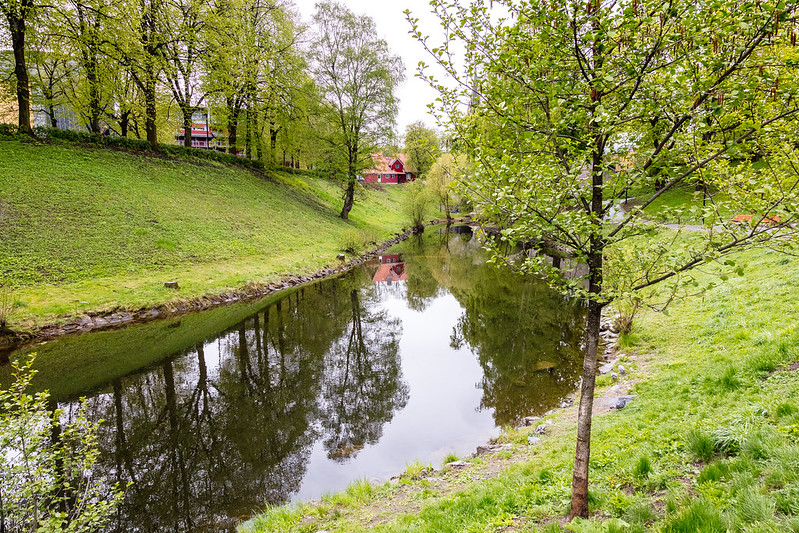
(18, 14)
(574, 103)
(356, 75)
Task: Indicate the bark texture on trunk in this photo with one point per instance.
(349, 197)
(17, 26)
(150, 113)
(579, 502)
(187, 124)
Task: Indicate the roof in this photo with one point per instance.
(383, 162)
(390, 272)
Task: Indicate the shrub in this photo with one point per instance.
(416, 204)
(47, 481)
(627, 309)
(8, 130)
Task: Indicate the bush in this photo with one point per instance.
(416, 204)
(8, 130)
(46, 466)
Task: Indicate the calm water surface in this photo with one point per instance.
(425, 352)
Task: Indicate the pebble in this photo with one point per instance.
(532, 439)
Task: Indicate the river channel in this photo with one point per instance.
(426, 351)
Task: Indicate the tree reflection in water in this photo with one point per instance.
(227, 427)
(526, 336)
(363, 386)
(212, 434)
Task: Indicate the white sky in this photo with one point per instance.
(414, 94)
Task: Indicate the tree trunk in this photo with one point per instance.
(579, 502)
(187, 124)
(150, 112)
(232, 126)
(94, 95)
(273, 131)
(349, 197)
(124, 121)
(51, 114)
(248, 135)
(17, 26)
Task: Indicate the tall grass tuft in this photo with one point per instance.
(700, 445)
(640, 513)
(752, 506)
(729, 381)
(642, 468)
(713, 473)
(700, 515)
(787, 500)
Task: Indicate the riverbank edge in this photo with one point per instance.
(11, 340)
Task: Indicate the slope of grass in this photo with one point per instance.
(710, 443)
(93, 229)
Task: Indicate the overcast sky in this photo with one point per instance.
(414, 94)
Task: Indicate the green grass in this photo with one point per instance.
(684, 205)
(710, 443)
(95, 229)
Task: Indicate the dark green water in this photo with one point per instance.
(215, 415)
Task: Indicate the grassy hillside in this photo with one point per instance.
(91, 229)
(709, 444)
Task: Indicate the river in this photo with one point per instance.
(426, 351)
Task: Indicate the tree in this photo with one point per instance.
(80, 29)
(139, 48)
(442, 174)
(183, 23)
(422, 146)
(356, 75)
(574, 103)
(46, 481)
(18, 13)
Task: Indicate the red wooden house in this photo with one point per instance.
(388, 169)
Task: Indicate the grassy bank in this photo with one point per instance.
(91, 229)
(709, 444)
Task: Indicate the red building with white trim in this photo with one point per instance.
(388, 169)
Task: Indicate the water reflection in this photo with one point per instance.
(351, 377)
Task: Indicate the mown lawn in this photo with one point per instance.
(709, 444)
(94, 229)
